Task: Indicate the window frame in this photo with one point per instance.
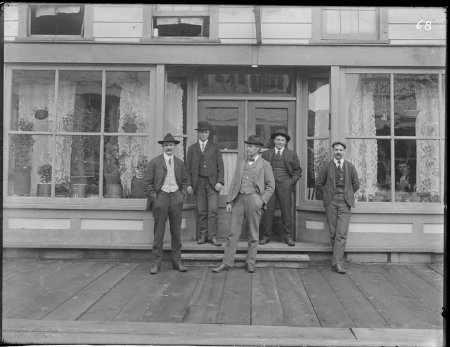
(395, 206)
(318, 36)
(57, 202)
(150, 12)
(25, 25)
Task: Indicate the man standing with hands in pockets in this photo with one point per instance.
(250, 190)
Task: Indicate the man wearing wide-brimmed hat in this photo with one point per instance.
(165, 188)
(204, 166)
(287, 171)
(339, 180)
(250, 190)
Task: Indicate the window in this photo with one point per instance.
(64, 144)
(181, 21)
(349, 23)
(56, 19)
(394, 138)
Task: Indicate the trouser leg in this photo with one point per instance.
(202, 207)
(285, 200)
(267, 216)
(213, 205)
(175, 217)
(160, 211)
(237, 217)
(253, 214)
(331, 214)
(342, 224)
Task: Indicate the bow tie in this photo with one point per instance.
(251, 160)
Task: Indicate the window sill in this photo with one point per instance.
(387, 208)
(179, 40)
(334, 42)
(53, 38)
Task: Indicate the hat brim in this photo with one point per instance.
(338, 143)
(174, 141)
(286, 136)
(200, 129)
(254, 143)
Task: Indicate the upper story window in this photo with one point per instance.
(181, 21)
(56, 19)
(349, 23)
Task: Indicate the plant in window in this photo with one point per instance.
(137, 183)
(22, 146)
(113, 170)
(64, 187)
(44, 188)
(130, 123)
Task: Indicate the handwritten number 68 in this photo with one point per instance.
(427, 25)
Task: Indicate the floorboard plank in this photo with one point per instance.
(206, 306)
(328, 308)
(396, 305)
(295, 302)
(173, 303)
(357, 306)
(85, 298)
(235, 304)
(266, 304)
(438, 267)
(429, 275)
(114, 301)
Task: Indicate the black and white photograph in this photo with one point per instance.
(224, 174)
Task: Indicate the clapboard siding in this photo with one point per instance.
(117, 30)
(236, 14)
(11, 13)
(286, 31)
(11, 28)
(286, 14)
(410, 32)
(11, 22)
(416, 14)
(236, 30)
(118, 14)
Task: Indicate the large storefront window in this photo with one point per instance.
(57, 140)
(393, 134)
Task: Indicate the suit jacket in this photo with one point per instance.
(214, 164)
(156, 173)
(264, 180)
(327, 179)
(291, 161)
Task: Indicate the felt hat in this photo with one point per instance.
(254, 140)
(203, 125)
(169, 138)
(339, 143)
(280, 133)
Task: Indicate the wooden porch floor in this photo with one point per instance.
(370, 296)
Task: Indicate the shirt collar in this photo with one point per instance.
(167, 157)
(276, 150)
(201, 142)
(336, 162)
(255, 157)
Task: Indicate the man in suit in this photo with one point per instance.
(205, 179)
(339, 180)
(250, 190)
(287, 171)
(165, 188)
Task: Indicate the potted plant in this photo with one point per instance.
(137, 182)
(45, 187)
(112, 171)
(22, 146)
(63, 188)
(129, 124)
(92, 190)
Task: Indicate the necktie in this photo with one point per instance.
(279, 153)
(339, 164)
(170, 161)
(251, 160)
(203, 146)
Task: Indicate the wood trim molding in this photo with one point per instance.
(88, 21)
(214, 22)
(257, 13)
(316, 17)
(383, 30)
(147, 22)
(23, 20)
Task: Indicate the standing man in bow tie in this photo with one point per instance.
(165, 188)
(250, 190)
(340, 182)
(205, 179)
(287, 171)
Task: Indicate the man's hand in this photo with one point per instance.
(190, 190)
(218, 187)
(229, 207)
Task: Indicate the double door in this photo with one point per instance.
(233, 122)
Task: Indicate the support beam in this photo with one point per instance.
(257, 11)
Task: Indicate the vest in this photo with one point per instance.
(279, 168)
(202, 170)
(339, 177)
(248, 179)
(170, 183)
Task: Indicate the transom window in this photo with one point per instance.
(56, 19)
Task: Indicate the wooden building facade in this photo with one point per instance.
(90, 89)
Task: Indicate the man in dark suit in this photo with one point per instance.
(287, 171)
(165, 188)
(250, 190)
(205, 177)
(340, 182)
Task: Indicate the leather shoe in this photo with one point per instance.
(290, 242)
(220, 268)
(201, 241)
(180, 267)
(339, 269)
(214, 242)
(264, 240)
(154, 269)
(251, 268)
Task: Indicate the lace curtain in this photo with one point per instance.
(134, 100)
(174, 114)
(363, 154)
(427, 170)
(32, 97)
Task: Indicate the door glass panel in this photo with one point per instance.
(269, 120)
(225, 123)
(318, 107)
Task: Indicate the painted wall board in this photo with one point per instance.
(415, 14)
(236, 14)
(402, 228)
(410, 32)
(38, 223)
(418, 42)
(286, 14)
(236, 30)
(117, 29)
(285, 41)
(11, 12)
(118, 14)
(11, 28)
(288, 30)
